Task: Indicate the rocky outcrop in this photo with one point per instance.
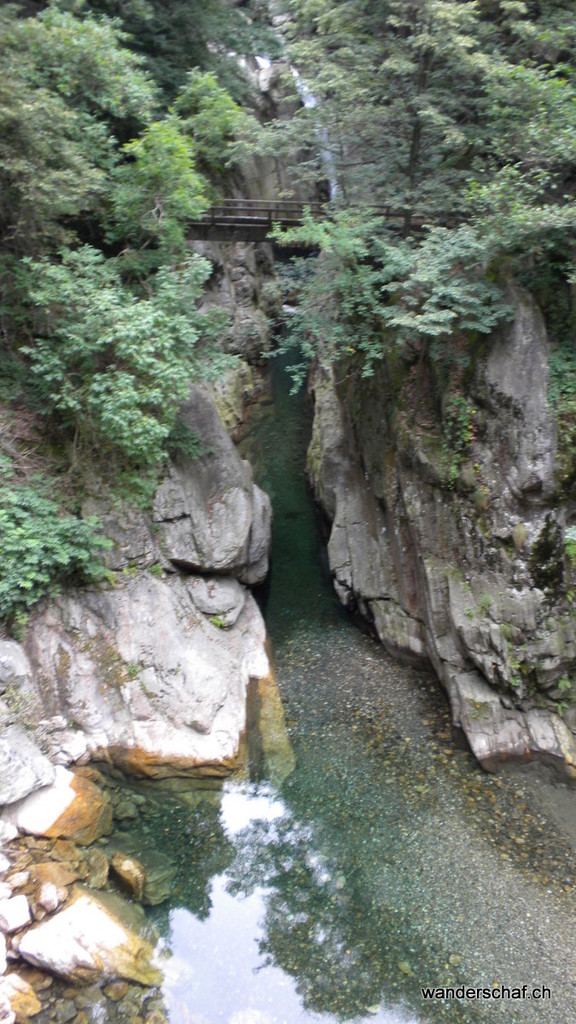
(243, 284)
(211, 516)
(96, 936)
(23, 767)
(143, 676)
(208, 514)
(151, 671)
(453, 546)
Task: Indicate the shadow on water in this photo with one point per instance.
(298, 586)
(383, 862)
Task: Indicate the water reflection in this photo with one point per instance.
(276, 945)
(383, 861)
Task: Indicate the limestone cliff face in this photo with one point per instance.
(458, 558)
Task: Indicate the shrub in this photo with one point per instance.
(40, 548)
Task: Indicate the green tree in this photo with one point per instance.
(41, 548)
(112, 367)
(157, 190)
(206, 34)
(67, 83)
(451, 127)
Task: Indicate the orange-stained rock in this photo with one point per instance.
(87, 771)
(162, 765)
(267, 737)
(65, 850)
(23, 1000)
(72, 807)
(88, 817)
(97, 862)
(58, 873)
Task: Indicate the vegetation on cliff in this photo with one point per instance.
(460, 119)
(114, 133)
(120, 121)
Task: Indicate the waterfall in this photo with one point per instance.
(309, 100)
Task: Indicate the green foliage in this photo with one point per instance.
(86, 60)
(157, 191)
(111, 366)
(183, 441)
(570, 544)
(459, 120)
(219, 621)
(565, 687)
(68, 83)
(208, 34)
(370, 291)
(459, 424)
(214, 121)
(526, 197)
(40, 548)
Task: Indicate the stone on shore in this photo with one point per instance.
(23, 767)
(95, 936)
(71, 808)
(24, 1002)
(14, 914)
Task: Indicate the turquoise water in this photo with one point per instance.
(384, 861)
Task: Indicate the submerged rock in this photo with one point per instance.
(130, 872)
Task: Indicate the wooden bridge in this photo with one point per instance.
(250, 220)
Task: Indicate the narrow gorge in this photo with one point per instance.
(288, 525)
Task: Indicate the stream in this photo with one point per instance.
(383, 859)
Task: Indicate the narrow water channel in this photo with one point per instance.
(384, 860)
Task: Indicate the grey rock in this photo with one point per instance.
(211, 515)
(146, 678)
(215, 596)
(443, 571)
(14, 914)
(497, 733)
(23, 767)
(517, 369)
(14, 667)
(129, 530)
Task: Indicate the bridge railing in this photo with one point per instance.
(253, 219)
(259, 212)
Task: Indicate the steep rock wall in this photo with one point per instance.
(456, 560)
(151, 671)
